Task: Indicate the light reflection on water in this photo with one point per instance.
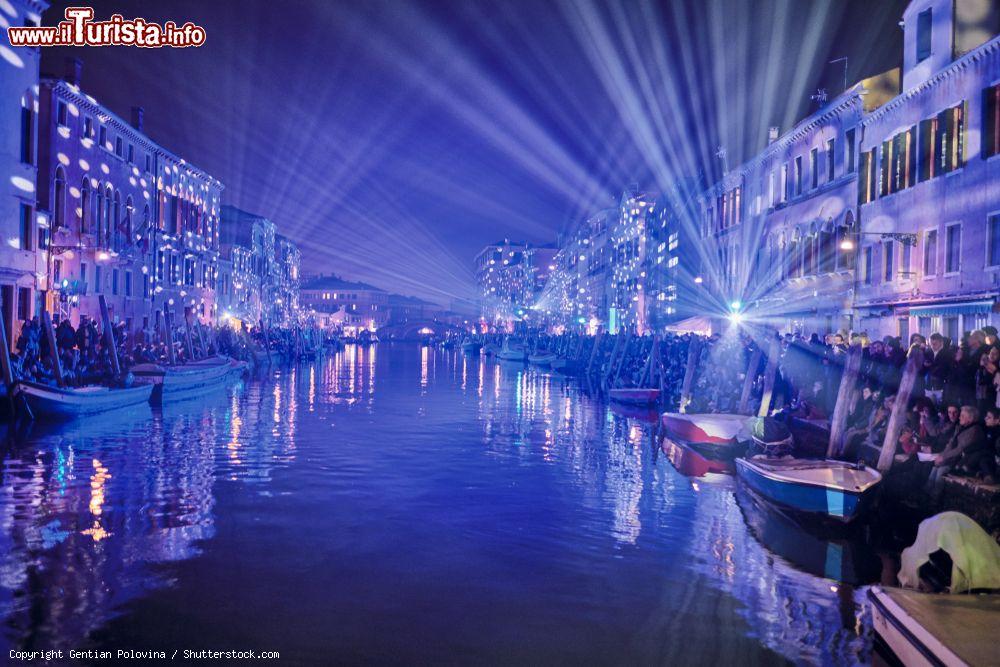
(400, 505)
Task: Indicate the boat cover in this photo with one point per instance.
(706, 428)
(974, 554)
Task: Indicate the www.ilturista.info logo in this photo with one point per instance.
(79, 29)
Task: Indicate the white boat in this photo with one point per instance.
(542, 358)
(69, 402)
(832, 489)
(184, 380)
(937, 628)
(512, 352)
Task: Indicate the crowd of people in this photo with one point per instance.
(85, 356)
(953, 411)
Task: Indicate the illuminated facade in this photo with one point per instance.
(22, 265)
(288, 260)
(125, 218)
(929, 174)
(511, 275)
(881, 211)
(335, 303)
(264, 269)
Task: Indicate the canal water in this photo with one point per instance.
(400, 504)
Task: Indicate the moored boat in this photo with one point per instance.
(70, 402)
(471, 347)
(184, 380)
(833, 489)
(635, 396)
(692, 463)
(491, 349)
(542, 358)
(511, 352)
(716, 436)
(936, 629)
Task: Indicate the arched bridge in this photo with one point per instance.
(413, 329)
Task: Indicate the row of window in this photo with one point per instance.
(98, 132)
(897, 256)
(933, 147)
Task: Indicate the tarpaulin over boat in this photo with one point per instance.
(706, 428)
(975, 555)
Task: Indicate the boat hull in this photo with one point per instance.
(635, 396)
(542, 359)
(174, 383)
(839, 504)
(56, 403)
(936, 629)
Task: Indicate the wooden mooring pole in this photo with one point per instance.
(109, 336)
(914, 365)
(846, 395)
(50, 334)
(694, 351)
(773, 354)
(750, 377)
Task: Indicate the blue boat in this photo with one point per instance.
(832, 489)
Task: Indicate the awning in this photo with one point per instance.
(951, 309)
(697, 325)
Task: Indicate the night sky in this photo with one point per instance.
(392, 140)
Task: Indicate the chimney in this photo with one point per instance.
(74, 68)
(772, 134)
(137, 115)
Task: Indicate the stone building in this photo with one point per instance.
(929, 179)
(335, 303)
(22, 229)
(124, 217)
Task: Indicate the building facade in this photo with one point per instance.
(122, 216)
(22, 262)
(929, 179)
(348, 306)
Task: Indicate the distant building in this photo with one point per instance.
(337, 303)
(248, 244)
(22, 256)
(288, 259)
(511, 276)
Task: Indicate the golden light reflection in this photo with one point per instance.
(312, 388)
(423, 366)
(235, 423)
(98, 484)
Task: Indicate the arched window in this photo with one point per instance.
(97, 221)
(847, 243)
(59, 199)
(85, 203)
(127, 223)
(827, 249)
(108, 225)
(115, 233)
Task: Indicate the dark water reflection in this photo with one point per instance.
(402, 505)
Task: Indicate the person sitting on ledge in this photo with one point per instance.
(969, 436)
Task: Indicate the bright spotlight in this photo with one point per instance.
(735, 318)
(847, 244)
(698, 280)
(736, 305)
